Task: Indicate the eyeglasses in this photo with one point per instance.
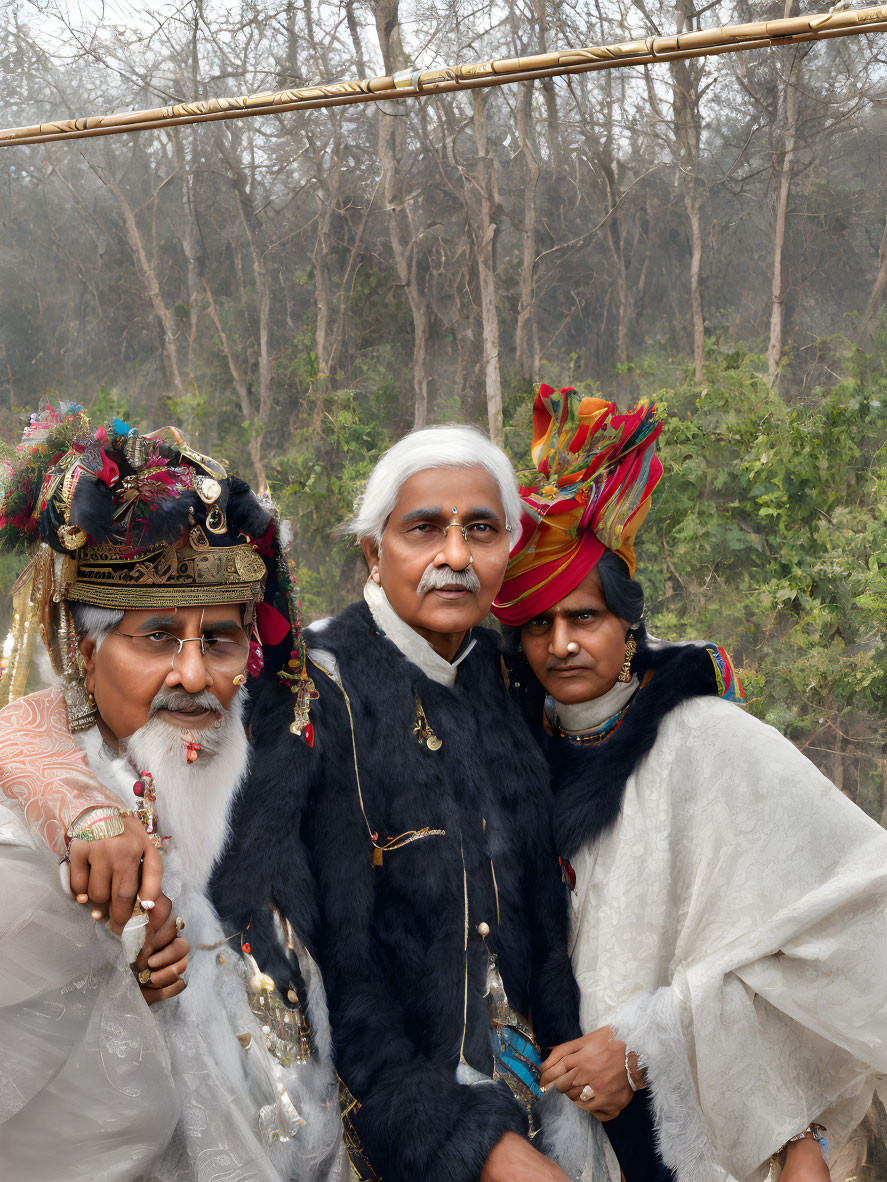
(223, 654)
(478, 535)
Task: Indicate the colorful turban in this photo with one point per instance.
(596, 472)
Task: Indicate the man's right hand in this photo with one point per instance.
(112, 871)
(513, 1159)
(165, 953)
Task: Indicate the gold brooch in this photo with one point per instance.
(422, 730)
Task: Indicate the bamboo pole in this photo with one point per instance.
(421, 83)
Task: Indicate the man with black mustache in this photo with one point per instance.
(404, 833)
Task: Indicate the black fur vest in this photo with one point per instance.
(390, 939)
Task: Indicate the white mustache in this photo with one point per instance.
(177, 699)
(435, 578)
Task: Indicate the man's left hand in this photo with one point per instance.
(596, 1060)
(165, 953)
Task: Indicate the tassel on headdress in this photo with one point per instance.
(596, 471)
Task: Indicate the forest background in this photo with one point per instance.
(297, 291)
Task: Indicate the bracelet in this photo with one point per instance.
(110, 825)
(631, 1066)
(814, 1131)
(86, 818)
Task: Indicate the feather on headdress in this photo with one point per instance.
(596, 471)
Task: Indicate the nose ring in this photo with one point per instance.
(573, 647)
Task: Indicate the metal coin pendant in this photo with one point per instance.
(71, 537)
(215, 521)
(433, 743)
(135, 449)
(207, 489)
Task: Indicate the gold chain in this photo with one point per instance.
(393, 843)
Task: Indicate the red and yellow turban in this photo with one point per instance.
(596, 472)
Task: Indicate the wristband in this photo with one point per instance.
(813, 1131)
(107, 824)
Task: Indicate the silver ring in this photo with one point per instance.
(586, 1094)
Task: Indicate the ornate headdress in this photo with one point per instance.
(123, 520)
(596, 472)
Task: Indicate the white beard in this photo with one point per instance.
(193, 799)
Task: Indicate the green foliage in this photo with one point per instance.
(768, 535)
(316, 480)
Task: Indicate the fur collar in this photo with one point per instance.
(589, 780)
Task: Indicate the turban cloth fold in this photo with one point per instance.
(596, 471)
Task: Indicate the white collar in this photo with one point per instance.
(584, 717)
(413, 646)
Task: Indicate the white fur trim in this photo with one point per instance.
(566, 1133)
(650, 1025)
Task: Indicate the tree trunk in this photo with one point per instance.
(685, 76)
(263, 308)
(527, 343)
(615, 239)
(549, 94)
(324, 295)
(190, 237)
(148, 273)
(256, 415)
(485, 267)
(402, 232)
(693, 207)
(873, 307)
(241, 384)
(789, 106)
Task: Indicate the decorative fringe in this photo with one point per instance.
(650, 1025)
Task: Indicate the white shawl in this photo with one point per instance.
(732, 928)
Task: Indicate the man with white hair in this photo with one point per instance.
(404, 833)
(154, 570)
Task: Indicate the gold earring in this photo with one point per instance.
(631, 647)
(240, 679)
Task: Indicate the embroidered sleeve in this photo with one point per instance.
(43, 770)
(729, 685)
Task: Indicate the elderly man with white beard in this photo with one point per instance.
(405, 835)
(154, 571)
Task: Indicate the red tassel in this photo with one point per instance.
(308, 732)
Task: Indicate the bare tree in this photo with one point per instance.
(403, 231)
(787, 121)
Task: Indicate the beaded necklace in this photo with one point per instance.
(612, 724)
